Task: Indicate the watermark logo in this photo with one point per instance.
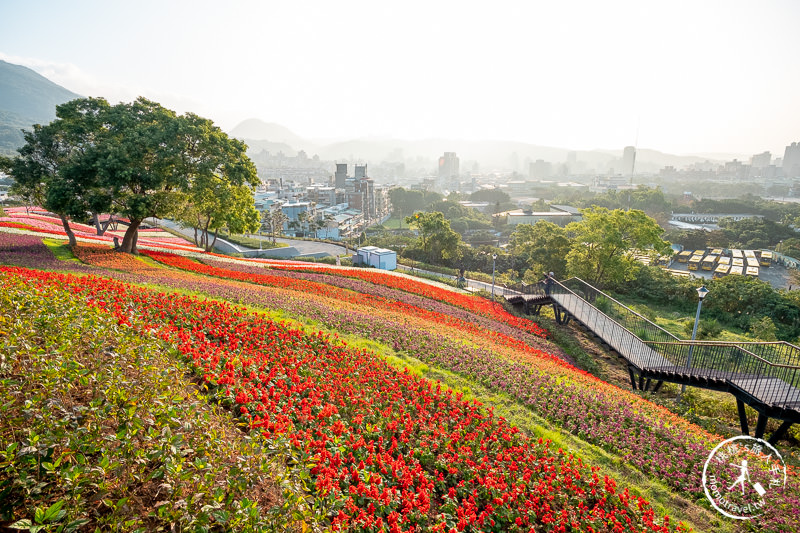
(741, 475)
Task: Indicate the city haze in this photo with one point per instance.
(678, 77)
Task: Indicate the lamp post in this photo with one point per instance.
(701, 294)
(494, 258)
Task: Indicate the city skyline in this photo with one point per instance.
(676, 77)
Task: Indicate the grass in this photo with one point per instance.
(251, 242)
(60, 249)
(101, 429)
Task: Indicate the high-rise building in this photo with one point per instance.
(448, 165)
(761, 160)
(340, 176)
(540, 170)
(791, 161)
(628, 160)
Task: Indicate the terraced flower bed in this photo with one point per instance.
(389, 451)
(234, 349)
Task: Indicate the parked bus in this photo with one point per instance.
(721, 271)
(716, 251)
(724, 260)
(752, 262)
(684, 256)
(709, 262)
(694, 262)
(750, 254)
(737, 254)
(752, 271)
(736, 270)
(664, 260)
(737, 262)
(766, 258)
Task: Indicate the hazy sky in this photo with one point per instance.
(690, 77)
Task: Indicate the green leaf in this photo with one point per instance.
(21, 524)
(75, 524)
(54, 512)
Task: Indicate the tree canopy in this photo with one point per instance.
(137, 160)
(543, 247)
(604, 242)
(436, 239)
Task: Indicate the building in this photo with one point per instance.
(376, 257)
(448, 165)
(761, 160)
(610, 183)
(540, 170)
(628, 160)
(791, 161)
(298, 214)
(560, 215)
(340, 177)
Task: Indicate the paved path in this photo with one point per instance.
(294, 248)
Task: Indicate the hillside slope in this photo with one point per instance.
(26, 98)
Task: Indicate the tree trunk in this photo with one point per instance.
(205, 235)
(101, 228)
(130, 238)
(211, 246)
(68, 230)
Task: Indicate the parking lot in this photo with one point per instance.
(776, 274)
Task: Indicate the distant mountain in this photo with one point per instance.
(489, 154)
(258, 130)
(26, 98)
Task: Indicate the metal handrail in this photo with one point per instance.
(747, 359)
(728, 344)
(620, 304)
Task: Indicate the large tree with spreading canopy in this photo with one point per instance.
(138, 160)
(605, 241)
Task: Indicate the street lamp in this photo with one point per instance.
(701, 294)
(494, 258)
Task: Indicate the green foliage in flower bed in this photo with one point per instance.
(251, 242)
(100, 428)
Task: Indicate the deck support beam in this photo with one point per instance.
(761, 425)
(562, 315)
(658, 385)
(742, 416)
(779, 433)
(633, 378)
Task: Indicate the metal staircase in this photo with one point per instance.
(763, 375)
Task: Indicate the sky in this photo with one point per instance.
(684, 77)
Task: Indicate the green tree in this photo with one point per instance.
(51, 169)
(604, 241)
(406, 202)
(437, 240)
(764, 329)
(143, 164)
(277, 218)
(221, 182)
(490, 195)
(542, 247)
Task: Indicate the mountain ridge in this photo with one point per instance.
(490, 153)
(26, 98)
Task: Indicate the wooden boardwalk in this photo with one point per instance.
(772, 391)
